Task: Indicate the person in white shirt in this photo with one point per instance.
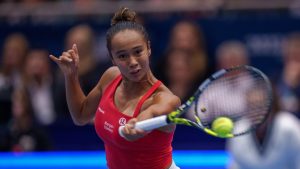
(274, 145)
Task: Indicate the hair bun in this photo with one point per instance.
(122, 15)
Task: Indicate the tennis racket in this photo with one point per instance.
(241, 93)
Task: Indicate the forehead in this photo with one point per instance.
(127, 38)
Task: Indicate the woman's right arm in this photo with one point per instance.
(82, 108)
(84, 113)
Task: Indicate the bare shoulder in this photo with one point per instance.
(164, 91)
(165, 97)
(109, 75)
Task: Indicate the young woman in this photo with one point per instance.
(126, 93)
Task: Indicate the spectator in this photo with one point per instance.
(288, 85)
(187, 45)
(231, 53)
(188, 36)
(275, 144)
(22, 134)
(14, 51)
(182, 81)
(39, 83)
(89, 67)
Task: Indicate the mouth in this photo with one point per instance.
(134, 72)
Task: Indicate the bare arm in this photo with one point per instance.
(163, 103)
(81, 107)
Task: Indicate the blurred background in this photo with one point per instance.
(190, 39)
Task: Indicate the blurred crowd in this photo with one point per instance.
(32, 89)
(32, 94)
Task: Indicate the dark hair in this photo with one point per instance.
(122, 20)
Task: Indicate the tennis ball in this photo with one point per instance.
(222, 126)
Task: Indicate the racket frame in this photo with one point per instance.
(175, 116)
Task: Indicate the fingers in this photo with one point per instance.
(74, 56)
(65, 57)
(74, 47)
(69, 56)
(130, 129)
(132, 132)
(53, 58)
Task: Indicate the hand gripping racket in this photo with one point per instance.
(241, 93)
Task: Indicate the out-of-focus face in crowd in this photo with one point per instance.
(231, 53)
(14, 51)
(37, 64)
(291, 58)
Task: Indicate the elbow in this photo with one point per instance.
(79, 121)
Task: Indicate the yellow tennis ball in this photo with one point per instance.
(222, 126)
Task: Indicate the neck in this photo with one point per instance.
(140, 86)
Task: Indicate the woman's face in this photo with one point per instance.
(130, 52)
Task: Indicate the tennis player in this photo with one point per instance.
(126, 93)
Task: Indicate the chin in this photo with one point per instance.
(137, 78)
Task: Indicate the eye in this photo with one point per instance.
(138, 52)
(122, 56)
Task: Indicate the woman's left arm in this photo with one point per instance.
(163, 103)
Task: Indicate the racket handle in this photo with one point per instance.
(148, 124)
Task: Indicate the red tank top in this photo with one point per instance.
(154, 151)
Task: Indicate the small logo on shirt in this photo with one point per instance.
(122, 121)
(109, 127)
(100, 110)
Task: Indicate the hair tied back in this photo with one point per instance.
(123, 15)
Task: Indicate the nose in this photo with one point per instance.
(133, 61)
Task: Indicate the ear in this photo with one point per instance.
(149, 48)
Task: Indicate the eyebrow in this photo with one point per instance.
(136, 47)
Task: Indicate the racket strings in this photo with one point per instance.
(240, 95)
